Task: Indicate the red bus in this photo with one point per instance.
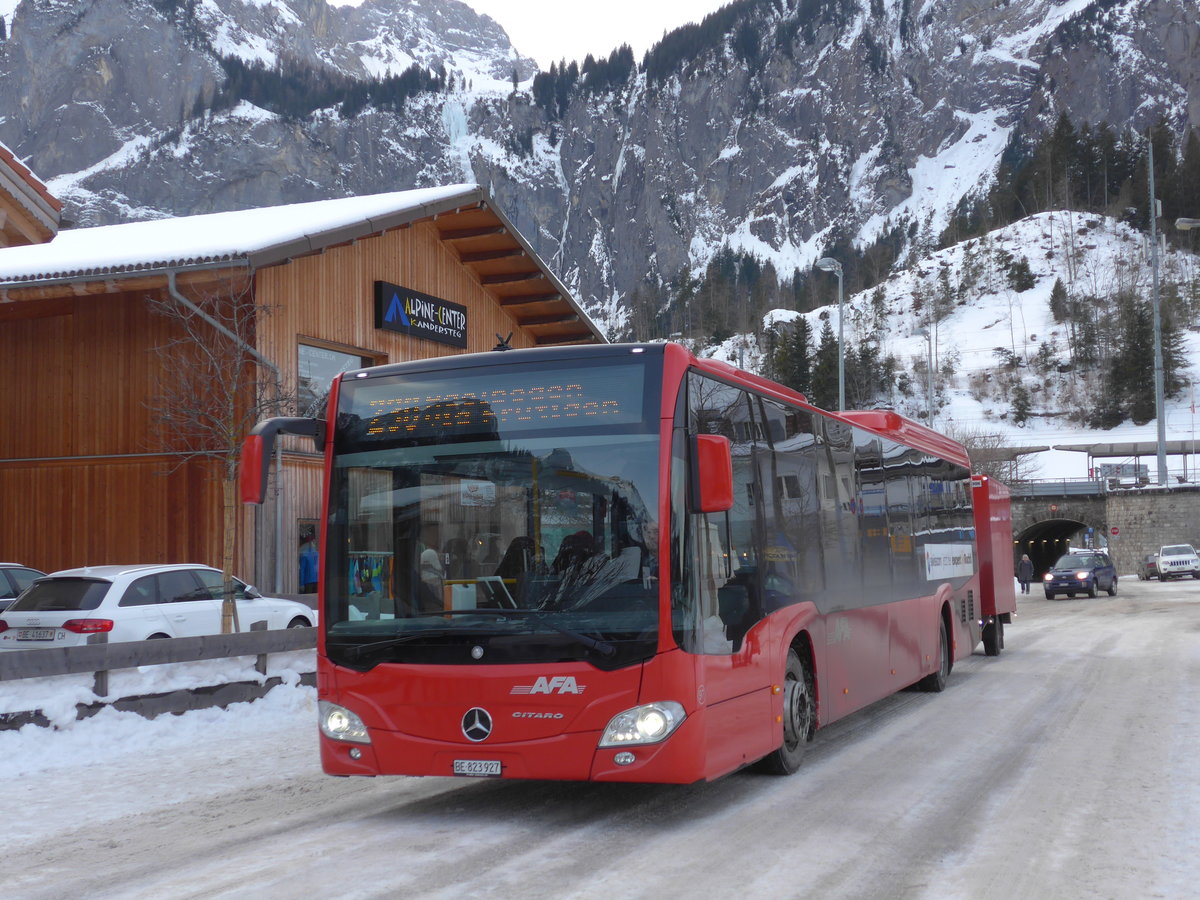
(625, 563)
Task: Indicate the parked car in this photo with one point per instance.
(1178, 561)
(15, 578)
(1147, 567)
(135, 603)
(1080, 572)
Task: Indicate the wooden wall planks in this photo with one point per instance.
(78, 481)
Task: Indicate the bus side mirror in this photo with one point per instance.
(260, 444)
(712, 470)
(252, 475)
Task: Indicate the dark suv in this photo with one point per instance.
(1081, 571)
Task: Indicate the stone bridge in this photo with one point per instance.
(1050, 517)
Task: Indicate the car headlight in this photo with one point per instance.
(646, 724)
(1083, 576)
(1047, 577)
(340, 724)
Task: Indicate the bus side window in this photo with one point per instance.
(722, 577)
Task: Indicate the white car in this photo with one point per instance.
(14, 578)
(135, 603)
(1178, 561)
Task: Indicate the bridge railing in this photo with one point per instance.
(1045, 487)
(1057, 487)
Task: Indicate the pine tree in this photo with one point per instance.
(1058, 301)
(825, 371)
(1021, 404)
(793, 357)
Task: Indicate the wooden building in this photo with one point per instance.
(29, 213)
(106, 333)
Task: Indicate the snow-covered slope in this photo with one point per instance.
(992, 325)
(795, 123)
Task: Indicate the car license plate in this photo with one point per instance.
(35, 634)
(477, 767)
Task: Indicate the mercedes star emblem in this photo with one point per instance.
(477, 724)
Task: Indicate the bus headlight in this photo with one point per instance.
(340, 724)
(647, 724)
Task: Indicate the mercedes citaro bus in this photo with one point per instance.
(627, 563)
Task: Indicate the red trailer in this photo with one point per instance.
(997, 594)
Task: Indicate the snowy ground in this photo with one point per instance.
(1064, 768)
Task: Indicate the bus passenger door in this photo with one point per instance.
(721, 592)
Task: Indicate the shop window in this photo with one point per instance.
(318, 366)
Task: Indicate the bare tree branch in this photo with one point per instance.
(212, 392)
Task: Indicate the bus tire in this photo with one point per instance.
(799, 717)
(993, 637)
(935, 682)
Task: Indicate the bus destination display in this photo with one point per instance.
(500, 403)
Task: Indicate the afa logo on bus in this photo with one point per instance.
(557, 684)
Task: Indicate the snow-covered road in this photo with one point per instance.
(1064, 768)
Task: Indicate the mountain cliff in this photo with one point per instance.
(774, 128)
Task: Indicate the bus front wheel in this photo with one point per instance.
(935, 682)
(799, 716)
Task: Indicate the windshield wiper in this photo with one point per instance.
(360, 649)
(604, 648)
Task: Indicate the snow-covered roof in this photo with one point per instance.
(34, 199)
(255, 237)
(465, 217)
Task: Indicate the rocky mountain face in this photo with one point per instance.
(775, 126)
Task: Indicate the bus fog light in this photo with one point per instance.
(340, 724)
(647, 724)
(624, 758)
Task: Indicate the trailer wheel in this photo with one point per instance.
(993, 637)
(799, 717)
(935, 683)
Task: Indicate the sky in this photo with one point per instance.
(550, 30)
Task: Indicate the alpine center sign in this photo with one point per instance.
(419, 315)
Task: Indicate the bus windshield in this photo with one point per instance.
(498, 514)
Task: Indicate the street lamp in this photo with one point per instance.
(1159, 404)
(829, 264)
(1185, 224)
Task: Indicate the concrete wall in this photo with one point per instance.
(1145, 519)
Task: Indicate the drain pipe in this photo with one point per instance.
(173, 290)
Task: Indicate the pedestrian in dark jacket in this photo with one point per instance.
(1025, 572)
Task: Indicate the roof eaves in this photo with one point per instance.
(96, 273)
(319, 240)
(556, 285)
(20, 181)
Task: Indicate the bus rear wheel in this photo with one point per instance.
(799, 717)
(993, 637)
